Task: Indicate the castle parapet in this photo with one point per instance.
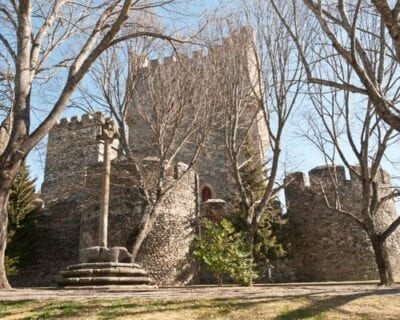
(295, 179)
(86, 120)
(327, 175)
(330, 178)
(246, 30)
(238, 38)
(71, 148)
(327, 244)
(382, 175)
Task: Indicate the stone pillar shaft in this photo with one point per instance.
(107, 136)
(105, 196)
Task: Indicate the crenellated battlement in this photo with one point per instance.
(153, 64)
(71, 148)
(327, 175)
(329, 244)
(240, 37)
(86, 120)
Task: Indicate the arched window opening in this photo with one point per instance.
(206, 194)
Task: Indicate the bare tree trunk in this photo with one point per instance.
(251, 236)
(150, 214)
(5, 130)
(382, 262)
(4, 193)
(8, 171)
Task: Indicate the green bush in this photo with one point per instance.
(270, 233)
(268, 239)
(11, 265)
(21, 231)
(224, 251)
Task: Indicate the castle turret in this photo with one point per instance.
(325, 244)
(72, 147)
(70, 219)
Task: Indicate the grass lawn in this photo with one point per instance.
(352, 306)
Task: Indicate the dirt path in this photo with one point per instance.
(286, 290)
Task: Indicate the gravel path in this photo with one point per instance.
(261, 291)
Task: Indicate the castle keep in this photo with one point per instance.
(226, 67)
(323, 245)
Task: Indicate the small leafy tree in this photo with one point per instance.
(21, 227)
(224, 251)
(267, 239)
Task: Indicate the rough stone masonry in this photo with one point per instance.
(322, 245)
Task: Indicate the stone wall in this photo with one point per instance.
(213, 210)
(73, 163)
(165, 253)
(234, 55)
(70, 223)
(71, 148)
(324, 244)
(57, 244)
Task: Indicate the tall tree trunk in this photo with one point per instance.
(251, 236)
(150, 214)
(8, 171)
(5, 130)
(382, 262)
(4, 193)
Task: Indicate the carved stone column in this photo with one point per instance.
(100, 265)
(108, 133)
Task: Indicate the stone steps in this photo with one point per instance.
(104, 273)
(94, 265)
(105, 281)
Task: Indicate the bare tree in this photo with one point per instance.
(6, 100)
(52, 45)
(352, 32)
(155, 99)
(259, 83)
(342, 134)
(352, 50)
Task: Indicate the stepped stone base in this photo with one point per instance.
(105, 274)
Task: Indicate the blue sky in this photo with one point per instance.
(193, 12)
(298, 154)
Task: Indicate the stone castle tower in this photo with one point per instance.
(71, 149)
(230, 62)
(71, 191)
(323, 245)
(72, 181)
(326, 245)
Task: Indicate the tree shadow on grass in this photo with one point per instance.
(223, 307)
(318, 306)
(218, 307)
(7, 308)
(64, 309)
(109, 309)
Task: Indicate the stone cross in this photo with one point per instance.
(108, 133)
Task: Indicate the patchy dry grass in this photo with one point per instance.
(352, 306)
